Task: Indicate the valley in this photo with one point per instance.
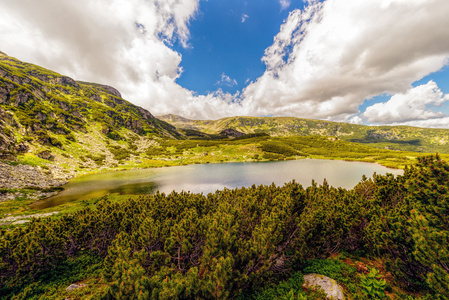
(249, 242)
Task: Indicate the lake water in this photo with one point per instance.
(208, 178)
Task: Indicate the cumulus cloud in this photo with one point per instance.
(117, 42)
(244, 18)
(226, 80)
(325, 61)
(332, 55)
(431, 123)
(415, 104)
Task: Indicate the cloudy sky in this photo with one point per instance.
(367, 62)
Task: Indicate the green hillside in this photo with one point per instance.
(71, 127)
(404, 138)
(64, 128)
(45, 115)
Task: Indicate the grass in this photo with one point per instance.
(32, 160)
(167, 153)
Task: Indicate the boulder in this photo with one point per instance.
(75, 286)
(46, 155)
(332, 289)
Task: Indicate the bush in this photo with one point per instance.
(119, 152)
(193, 246)
(278, 148)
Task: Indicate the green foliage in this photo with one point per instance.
(127, 276)
(272, 156)
(288, 289)
(155, 151)
(240, 243)
(372, 285)
(429, 220)
(114, 135)
(119, 153)
(333, 268)
(98, 159)
(278, 148)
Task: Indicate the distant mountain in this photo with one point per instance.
(43, 112)
(386, 137)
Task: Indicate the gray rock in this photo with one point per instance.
(46, 155)
(3, 95)
(23, 176)
(75, 286)
(332, 289)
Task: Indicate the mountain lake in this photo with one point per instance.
(207, 178)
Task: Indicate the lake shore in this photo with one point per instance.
(17, 195)
(16, 178)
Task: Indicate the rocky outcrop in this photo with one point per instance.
(49, 109)
(46, 155)
(4, 95)
(8, 145)
(332, 289)
(75, 286)
(145, 113)
(231, 133)
(111, 90)
(23, 176)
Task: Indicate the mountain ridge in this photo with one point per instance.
(44, 113)
(406, 138)
(72, 127)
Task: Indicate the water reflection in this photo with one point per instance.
(211, 177)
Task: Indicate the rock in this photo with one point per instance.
(23, 176)
(46, 155)
(332, 289)
(22, 98)
(64, 80)
(75, 286)
(4, 95)
(22, 148)
(96, 97)
(145, 113)
(112, 91)
(20, 222)
(231, 133)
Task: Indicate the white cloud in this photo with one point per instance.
(226, 80)
(413, 105)
(431, 123)
(355, 120)
(284, 4)
(244, 18)
(325, 61)
(331, 56)
(116, 42)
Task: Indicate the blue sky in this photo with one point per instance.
(229, 37)
(366, 62)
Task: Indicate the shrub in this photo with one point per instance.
(278, 148)
(119, 152)
(372, 285)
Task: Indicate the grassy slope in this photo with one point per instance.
(404, 138)
(88, 127)
(81, 124)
